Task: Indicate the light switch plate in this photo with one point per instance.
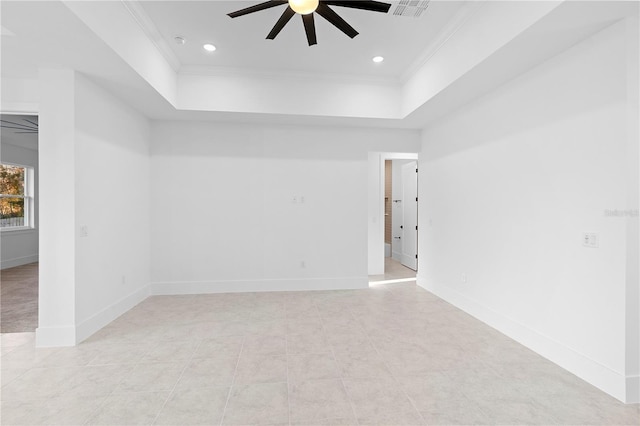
(590, 239)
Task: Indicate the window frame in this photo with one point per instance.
(28, 197)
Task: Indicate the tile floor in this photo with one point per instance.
(393, 270)
(19, 298)
(392, 354)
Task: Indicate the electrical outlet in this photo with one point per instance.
(463, 278)
(84, 231)
(590, 239)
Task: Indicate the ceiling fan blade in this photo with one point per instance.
(374, 6)
(256, 8)
(15, 124)
(284, 18)
(4, 126)
(327, 13)
(310, 28)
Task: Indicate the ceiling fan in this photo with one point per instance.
(306, 9)
(31, 126)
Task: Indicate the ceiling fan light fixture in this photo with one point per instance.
(209, 47)
(377, 59)
(304, 7)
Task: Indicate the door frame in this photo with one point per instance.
(26, 108)
(375, 215)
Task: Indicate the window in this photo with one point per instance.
(16, 197)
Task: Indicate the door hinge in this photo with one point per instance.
(401, 227)
(416, 170)
(416, 199)
(416, 256)
(416, 227)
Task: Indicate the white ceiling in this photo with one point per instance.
(241, 42)
(120, 53)
(43, 34)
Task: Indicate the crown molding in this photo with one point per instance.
(212, 71)
(459, 20)
(134, 7)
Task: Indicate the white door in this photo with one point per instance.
(410, 215)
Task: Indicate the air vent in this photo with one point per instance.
(411, 8)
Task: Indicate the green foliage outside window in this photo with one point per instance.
(12, 182)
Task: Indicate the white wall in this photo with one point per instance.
(507, 187)
(57, 285)
(19, 95)
(633, 199)
(21, 246)
(274, 94)
(223, 210)
(112, 202)
(94, 163)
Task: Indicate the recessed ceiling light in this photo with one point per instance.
(209, 47)
(179, 40)
(377, 59)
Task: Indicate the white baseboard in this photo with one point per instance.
(243, 286)
(396, 255)
(18, 261)
(633, 390)
(102, 318)
(48, 337)
(599, 375)
(71, 336)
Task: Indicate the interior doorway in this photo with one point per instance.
(393, 213)
(19, 288)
